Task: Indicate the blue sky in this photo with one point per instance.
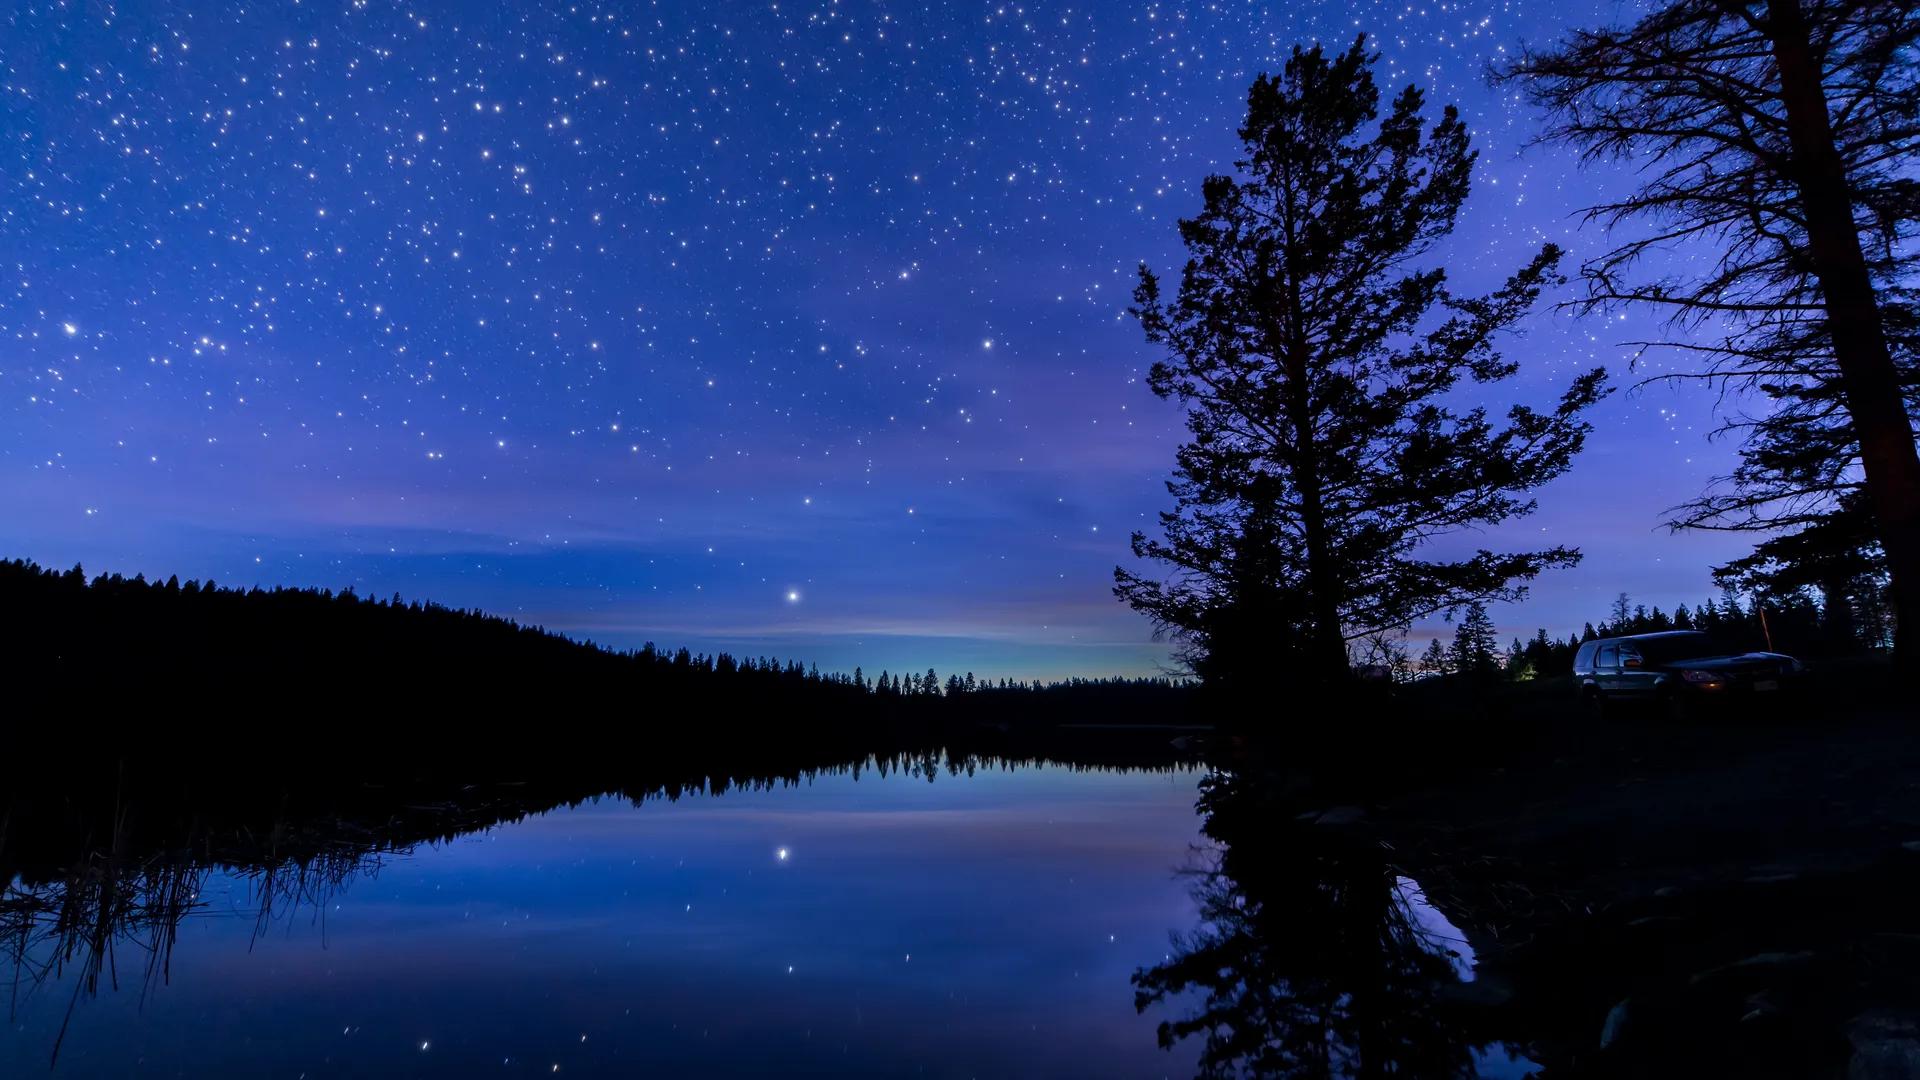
(786, 328)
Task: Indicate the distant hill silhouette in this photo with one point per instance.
(68, 638)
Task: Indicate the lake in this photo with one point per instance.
(908, 916)
(974, 925)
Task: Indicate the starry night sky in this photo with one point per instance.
(778, 327)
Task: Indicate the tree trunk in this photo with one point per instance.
(1327, 652)
(1868, 377)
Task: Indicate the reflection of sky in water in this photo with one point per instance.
(967, 927)
(1440, 933)
(1492, 1063)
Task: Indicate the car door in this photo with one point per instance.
(1606, 669)
(1635, 679)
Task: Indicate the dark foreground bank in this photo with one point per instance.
(1730, 896)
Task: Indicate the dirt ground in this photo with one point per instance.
(1620, 809)
(1733, 896)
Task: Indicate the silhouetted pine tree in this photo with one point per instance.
(1778, 136)
(1474, 652)
(1837, 555)
(1317, 362)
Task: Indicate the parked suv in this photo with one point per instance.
(1676, 669)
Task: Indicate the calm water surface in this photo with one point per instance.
(975, 925)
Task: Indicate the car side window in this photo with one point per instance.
(1628, 653)
(1609, 658)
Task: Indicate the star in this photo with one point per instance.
(583, 231)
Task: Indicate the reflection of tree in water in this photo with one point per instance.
(1310, 959)
(76, 925)
(115, 918)
(98, 874)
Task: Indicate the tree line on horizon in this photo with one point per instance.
(1794, 624)
(1319, 356)
(176, 629)
(132, 632)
